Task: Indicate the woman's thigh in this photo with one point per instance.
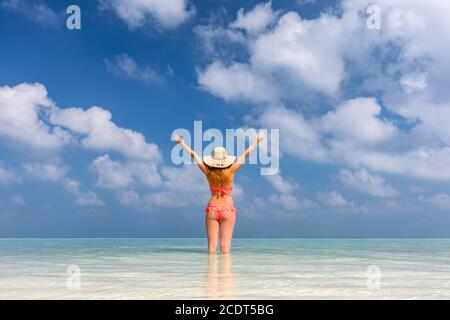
(227, 226)
(212, 227)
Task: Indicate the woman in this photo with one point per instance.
(220, 212)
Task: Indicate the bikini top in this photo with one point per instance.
(221, 190)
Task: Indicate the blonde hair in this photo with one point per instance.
(219, 177)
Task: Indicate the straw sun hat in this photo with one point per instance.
(219, 158)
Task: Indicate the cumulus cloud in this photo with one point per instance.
(368, 183)
(413, 82)
(216, 40)
(295, 52)
(137, 13)
(285, 199)
(303, 51)
(99, 132)
(116, 174)
(290, 202)
(255, 20)
(124, 65)
(281, 184)
(130, 198)
(29, 120)
(357, 121)
(313, 141)
(20, 123)
(88, 198)
(46, 171)
(179, 187)
(57, 173)
(403, 65)
(235, 82)
(332, 199)
(297, 136)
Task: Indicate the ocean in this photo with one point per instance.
(257, 268)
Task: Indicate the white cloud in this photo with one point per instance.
(82, 198)
(115, 174)
(439, 200)
(357, 121)
(111, 174)
(235, 82)
(281, 184)
(216, 40)
(100, 133)
(255, 20)
(130, 198)
(333, 199)
(29, 120)
(297, 136)
(374, 149)
(285, 198)
(303, 51)
(20, 123)
(137, 13)
(404, 64)
(125, 65)
(368, 183)
(57, 173)
(46, 171)
(296, 53)
(290, 203)
(413, 82)
(304, 2)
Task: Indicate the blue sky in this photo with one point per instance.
(362, 114)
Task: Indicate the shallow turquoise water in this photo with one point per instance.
(263, 268)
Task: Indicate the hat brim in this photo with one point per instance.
(215, 163)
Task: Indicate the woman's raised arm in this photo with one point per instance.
(240, 160)
(191, 152)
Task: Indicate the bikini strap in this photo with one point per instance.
(221, 190)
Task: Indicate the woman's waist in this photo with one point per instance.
(225, 200)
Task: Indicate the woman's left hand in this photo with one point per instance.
(260, 136)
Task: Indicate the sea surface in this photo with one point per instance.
(257, 268)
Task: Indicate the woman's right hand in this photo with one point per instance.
(177, 138)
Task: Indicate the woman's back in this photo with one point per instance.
(221, 184)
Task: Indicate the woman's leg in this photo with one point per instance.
(212, 230)
(226, 231)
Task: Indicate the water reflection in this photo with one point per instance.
(220, 282)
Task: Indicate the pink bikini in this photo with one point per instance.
(219, 210)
